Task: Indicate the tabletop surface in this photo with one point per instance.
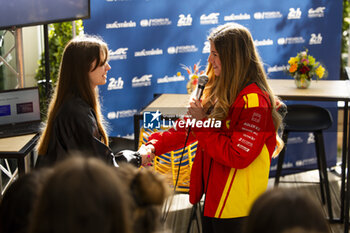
(15, 144)
(169, 104)
(327, 90)
(331, 90)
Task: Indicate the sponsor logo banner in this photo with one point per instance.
(212, 18)
(267, 15)
(155, 22)
(115, 84)
(294, 13)
(234, 17)
(125, 24)
(170, 79)
(152, 52)
(184, 20)
(143, 81)
(316, 13)
(119, 54)
(182, 49)
(121, 114)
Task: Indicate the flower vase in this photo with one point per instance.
(192, 84)
(190, 87)
(302, 83)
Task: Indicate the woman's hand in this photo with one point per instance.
(195, 110)
(147, 154)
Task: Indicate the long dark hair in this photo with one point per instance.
(78, 57)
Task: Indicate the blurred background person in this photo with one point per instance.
(148, 191)
(285, 211)
(82, 195)
(18, 200)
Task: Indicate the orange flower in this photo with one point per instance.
(195, 68)
(293, 68)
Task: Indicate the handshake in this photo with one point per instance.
(147, 154)
(144, 156)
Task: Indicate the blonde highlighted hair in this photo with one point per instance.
(240, 66)
(78, 57)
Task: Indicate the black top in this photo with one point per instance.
(75, 129)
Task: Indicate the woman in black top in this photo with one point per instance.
(74, 121)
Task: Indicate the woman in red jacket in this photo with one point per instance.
(232, 162)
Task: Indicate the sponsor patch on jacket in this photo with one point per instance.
(228, 122)
(251, 100)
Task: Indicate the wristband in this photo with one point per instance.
(138, 159)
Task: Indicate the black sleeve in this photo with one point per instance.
(128, 156)
(76, 130)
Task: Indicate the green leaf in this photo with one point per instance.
(59, 36)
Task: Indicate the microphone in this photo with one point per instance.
(202, 81)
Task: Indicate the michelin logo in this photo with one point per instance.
(212, 18)
(316, 13)
(277, 68)
(315, 39)
(151, 52)
(144, 81)
(294, 14)
(182, 49)
(125, 24)
(155, 22)
(168, 79)
(184, 20)
(115, 84)
(234, 17)
(119, 54)
(264, 42)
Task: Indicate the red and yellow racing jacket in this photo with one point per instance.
(232, 162)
